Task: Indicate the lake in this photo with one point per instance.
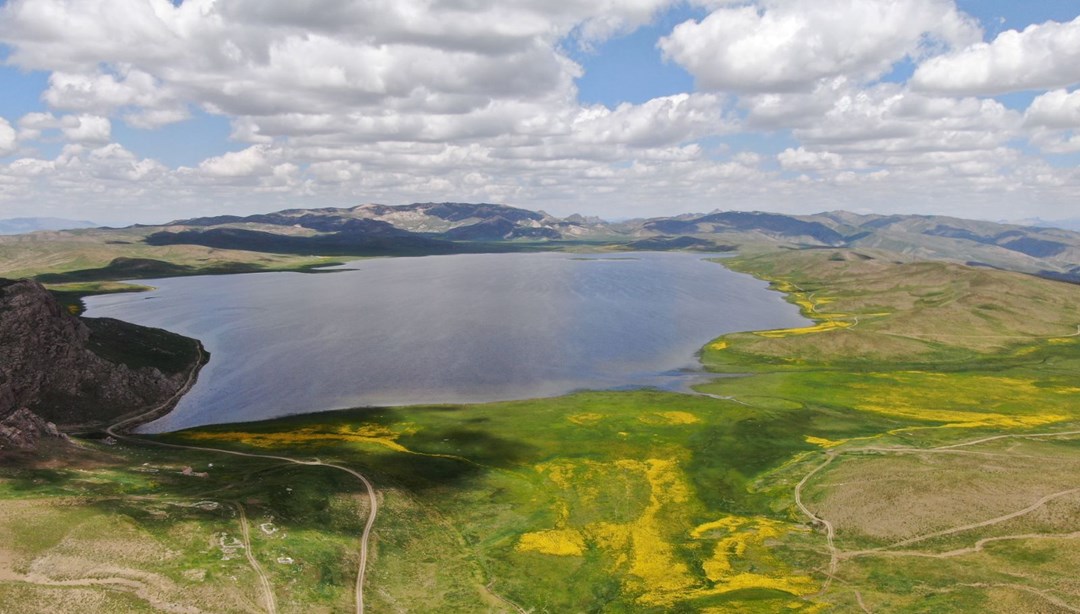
(444, 329)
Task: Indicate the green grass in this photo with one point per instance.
(645, 501)
(510, 469)
(71, 295)
(140, 502)
(91, 256)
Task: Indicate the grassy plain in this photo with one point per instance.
(123, 529)
(974, 370)
(918, 418)
(92, 255)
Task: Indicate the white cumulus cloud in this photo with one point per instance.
(1054, 121)
(788, 45)
(888, 118)
(405, 62)
(802, 160)
(1042, 56)
(1056, 109)
(86, 128)
(83, 128)
(254, 160)
(333, 102)
(8, 138)
(660, 121)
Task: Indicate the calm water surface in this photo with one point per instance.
(444, 329)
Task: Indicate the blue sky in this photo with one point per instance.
(608, 81)
(630, 68)
(140, 111)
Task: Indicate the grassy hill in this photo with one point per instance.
(301, 238)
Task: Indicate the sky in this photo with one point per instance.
(123, 111)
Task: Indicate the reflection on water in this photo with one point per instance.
(444, 329)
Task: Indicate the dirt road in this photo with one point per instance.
(116, 431)
(268, 591)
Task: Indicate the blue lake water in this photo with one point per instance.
(444, 329)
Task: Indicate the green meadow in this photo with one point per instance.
(926, 420)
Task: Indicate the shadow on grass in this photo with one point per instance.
(728, 457)
(445, 454)
(142, 483)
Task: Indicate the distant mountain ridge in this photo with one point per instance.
(21, 225)
(1050, 252)
(453, 227)
(1069, 224)
(451, 221)
(373, 229)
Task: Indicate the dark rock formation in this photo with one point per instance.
(81, 373)
(23, 429)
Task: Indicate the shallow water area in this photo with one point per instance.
(444, 329)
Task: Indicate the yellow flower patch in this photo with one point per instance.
(556, 542)
(821, 327)
(796, 585)
(375, 435)
(820, 441)
(965, 419)
(669, 417)
(648, 550)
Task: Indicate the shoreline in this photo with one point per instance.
(71, 293)
(684, 381)
(125, 423)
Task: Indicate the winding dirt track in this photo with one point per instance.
(977, 547)
(116, 432)
(516, 607)
(268, 591)
(830, 532)
(967, 527)
(1027, 589)
(836, 556)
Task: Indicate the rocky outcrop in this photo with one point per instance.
(23, 429)
(81, 373)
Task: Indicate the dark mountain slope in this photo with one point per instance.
(366, 230)
(770, 223)
(82, 373)
(352, 241)
(499, 229)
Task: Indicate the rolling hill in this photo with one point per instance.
(222, 243)
(1049, 252)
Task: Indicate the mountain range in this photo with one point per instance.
(464, 227)
(1068, 224)
(311, 237)
(20, 225)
